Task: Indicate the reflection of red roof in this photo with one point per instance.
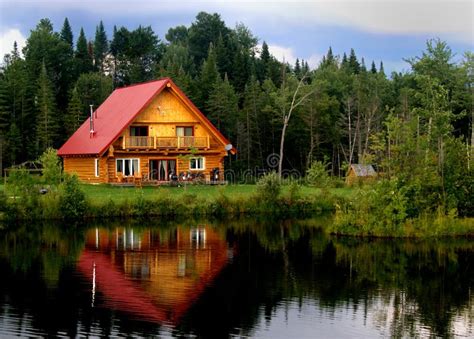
(117, 112)
(122, 293)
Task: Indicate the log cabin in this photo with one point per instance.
(148, 132)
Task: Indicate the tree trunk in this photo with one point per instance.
(282, 144)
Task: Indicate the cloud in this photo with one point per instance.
(451, 18)
(283, 54)
(314, 60)
(7, 38)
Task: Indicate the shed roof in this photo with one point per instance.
(118, 111)
(361, 170)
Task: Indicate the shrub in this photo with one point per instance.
(269, 187)
(317, 175)
(51, 167)
(72, 201)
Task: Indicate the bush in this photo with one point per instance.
(269, 187)
(72, 201)
(317, 175)
(51, 167)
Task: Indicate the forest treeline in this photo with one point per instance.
(340, 112)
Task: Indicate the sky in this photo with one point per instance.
(378, 30)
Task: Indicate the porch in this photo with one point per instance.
(176, 142)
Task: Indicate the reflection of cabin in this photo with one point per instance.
(359, 172)
(152, 275)
(149, 131)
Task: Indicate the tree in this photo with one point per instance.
(92, 89)
(101, 47)
(82, 57)
(222, 106)
(209, 77)
(16, 127)
(47, 119)
(46, 46)
(177, 35)
(297, 92)
(373, 69)
(205, 30)
(74, 114)
(66, 33)
(136, 54)
(354, 65)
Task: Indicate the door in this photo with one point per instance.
(162, 170)
(185, 136)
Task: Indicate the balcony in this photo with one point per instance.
(165, 142)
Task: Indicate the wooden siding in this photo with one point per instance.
(182, 163)
(84, 168)
(167, 112)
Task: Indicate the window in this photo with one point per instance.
(96, 167)
(196, 163)
(138, 131)
(185, 131)
(127, 167)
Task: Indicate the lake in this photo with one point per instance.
(244, 278)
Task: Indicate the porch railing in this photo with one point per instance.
(166, 142)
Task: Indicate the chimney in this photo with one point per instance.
(91, 121)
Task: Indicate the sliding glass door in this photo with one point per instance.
(162, 170)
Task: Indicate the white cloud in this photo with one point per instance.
(283, 54)
(453, 18)
(314, 60)
(288, 54)
(7, 38)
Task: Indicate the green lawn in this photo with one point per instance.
(102, 193)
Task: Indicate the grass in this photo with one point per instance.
(103, 193)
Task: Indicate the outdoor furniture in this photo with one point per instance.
(119, 177)
(137, 180)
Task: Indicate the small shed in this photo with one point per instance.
(360, 172)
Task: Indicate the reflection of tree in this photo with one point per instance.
(48, 246)
(424, 284)
(429, 281)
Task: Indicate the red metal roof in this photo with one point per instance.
(117, 112)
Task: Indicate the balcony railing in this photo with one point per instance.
(165, 142)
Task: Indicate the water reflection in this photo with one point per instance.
(148, 274)
(246, 278)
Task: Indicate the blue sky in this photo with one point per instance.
(378, 30)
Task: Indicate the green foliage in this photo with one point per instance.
(82, 57)
(269, 187)
(380, 210)
(317, 175)
(47, 119)
(52, 170)
(72, 202)
(101, 47)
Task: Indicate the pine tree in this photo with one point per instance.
(74, 114)
(14, 144)
(223, 106)
(66, 33)
(209, 76)
(100, 47)
(353, 63)
(297, 70)
(82, 59)
(373, 69)
(381, 70)
(362, 68)
(344, 62)
(47, 122)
